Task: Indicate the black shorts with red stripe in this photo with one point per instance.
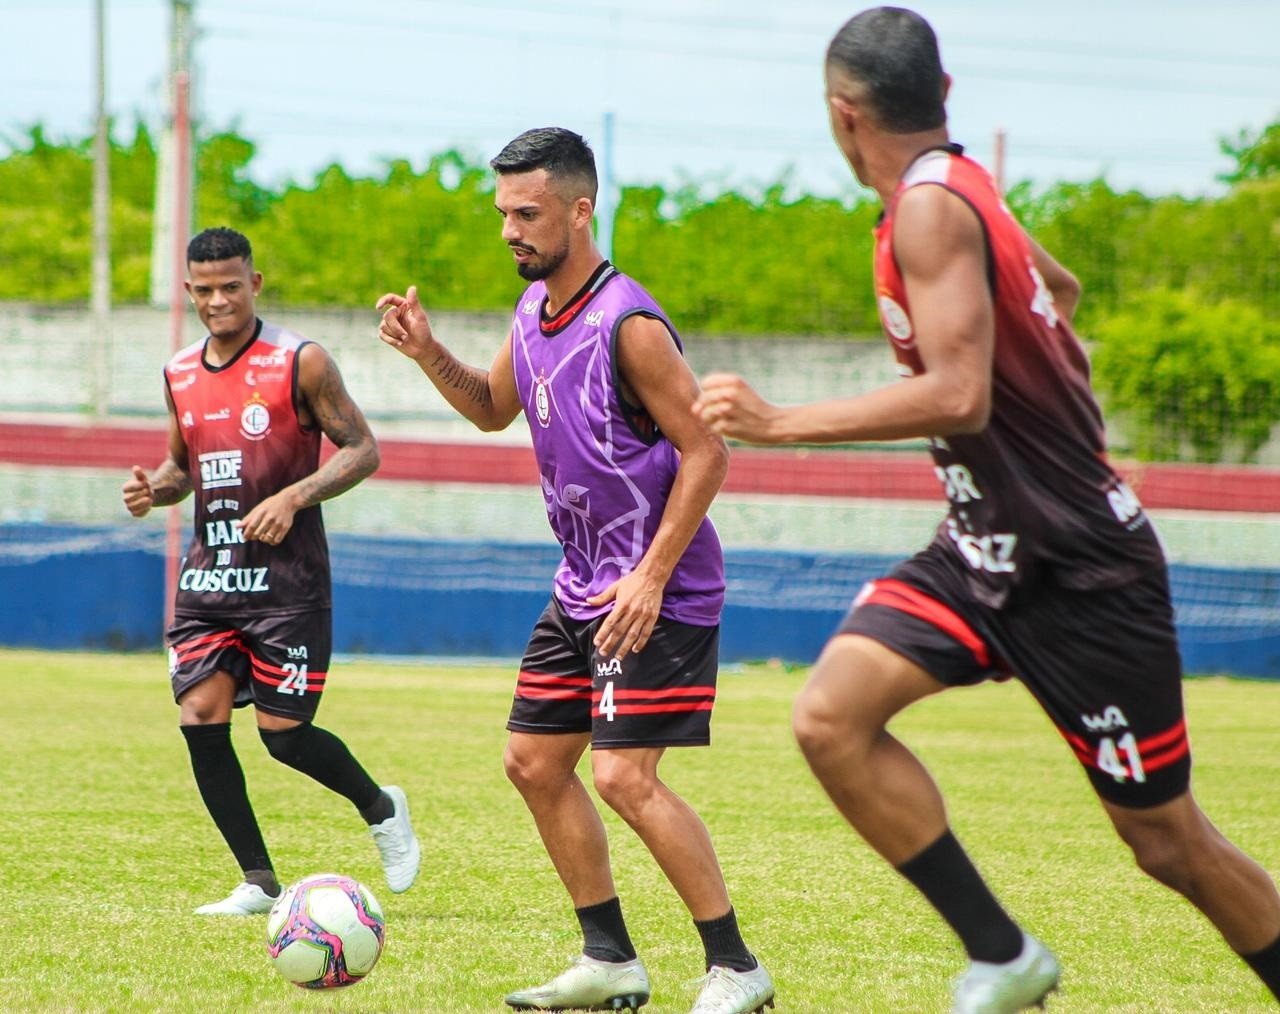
(1103, 663)
(660, 696)
(279, 662)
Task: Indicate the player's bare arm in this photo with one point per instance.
(487, 398)
(324, 403)
(1062, 284)
(656, 376)
(168, 483)
(941, 252)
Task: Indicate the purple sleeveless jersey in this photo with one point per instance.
(606, 473)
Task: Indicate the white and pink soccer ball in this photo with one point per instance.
(324, 931)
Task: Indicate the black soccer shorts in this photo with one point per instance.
(279, 662)
(661, 696)
(1103, 664)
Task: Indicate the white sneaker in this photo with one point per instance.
(245, 899)
(987, 988)
(588, 984)
(397, 844)
(725, 991)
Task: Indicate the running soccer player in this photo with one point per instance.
(252, 625)
(1046, 567)
(624, 657)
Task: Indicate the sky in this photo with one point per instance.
(716, 93)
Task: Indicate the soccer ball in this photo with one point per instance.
(326, 930)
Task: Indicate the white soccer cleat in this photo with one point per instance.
(987, 988)
(397, 844)
(245, 899)
(725, 991)
(588, 984)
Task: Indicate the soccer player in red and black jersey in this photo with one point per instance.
(1046, 567)
(252, 624)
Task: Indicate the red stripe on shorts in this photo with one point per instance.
(199, 647)
(902, 597)
(537, 686)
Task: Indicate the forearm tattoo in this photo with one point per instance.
(468, 381)
(342, 422)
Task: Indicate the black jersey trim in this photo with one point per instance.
(551, 326)
(294, 392)
(257, 332)
(641, 424)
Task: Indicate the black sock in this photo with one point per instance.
(1266, 965)
(723, 944)
(321, 755)
(604, 934)
(944, 874)
(220, 780)
(266, 879)
(383, 808)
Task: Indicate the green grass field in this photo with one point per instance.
(106, 849)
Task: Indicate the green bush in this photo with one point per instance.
(1190, 377)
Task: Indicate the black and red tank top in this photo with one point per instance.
(245, 442)
(1032, 497)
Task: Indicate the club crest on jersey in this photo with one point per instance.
(896, 322)
(255, 418)
(542, 401)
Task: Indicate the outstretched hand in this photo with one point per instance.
(731, 407)
(405, 326)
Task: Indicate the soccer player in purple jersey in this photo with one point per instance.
(1046, 567)
(624, 657)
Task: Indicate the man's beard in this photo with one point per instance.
(536, 271)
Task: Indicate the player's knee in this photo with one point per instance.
(1162, 854)
(286, 745)
(623, 788)
(816, 725)
(526, 769)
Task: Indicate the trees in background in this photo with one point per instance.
(1181, 294)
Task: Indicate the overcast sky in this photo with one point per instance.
(715, 91)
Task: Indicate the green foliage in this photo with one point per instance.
(727, 265)
(1189, 374)
(46, 228)
(1257, 154)
(721, 262)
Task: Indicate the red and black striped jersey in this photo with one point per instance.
(245, 442)
(1033, 496)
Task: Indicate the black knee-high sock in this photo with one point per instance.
(220, 780)
(321, 755)
(604, 933)
(1266, 965)
(944, 874)
(722, 943)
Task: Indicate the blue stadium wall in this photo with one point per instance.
(102, 588)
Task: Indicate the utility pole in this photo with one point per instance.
(606, 201)
(998, 157)
(100, 281)
(169, 237)
(172, 215)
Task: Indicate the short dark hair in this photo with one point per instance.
(565, 156)
(218, 244)
(894, 53)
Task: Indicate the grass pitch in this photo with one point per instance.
(106, 849)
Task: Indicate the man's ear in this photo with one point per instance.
(844, 111)
(583, 209)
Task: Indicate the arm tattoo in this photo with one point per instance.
(342, 422)
(463, 378)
